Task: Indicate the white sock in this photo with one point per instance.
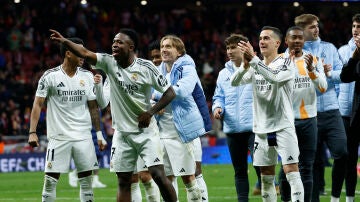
(135, 192)
(193, 192)
(350, 198)
(152, 191)
(334, 199)
(268, 191)
(49, 189)
(86, 191)
(202, 185)
(296, 185)
(175, 185)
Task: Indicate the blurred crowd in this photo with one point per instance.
(26, 52)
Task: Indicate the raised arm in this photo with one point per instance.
(77, 49)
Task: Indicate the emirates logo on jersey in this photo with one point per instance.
(134, 76)
(82, 83)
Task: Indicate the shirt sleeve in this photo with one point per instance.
(103, 93)
(283, 70)
(186, 84)
(158, 81)
(241, 76)
(43, 86)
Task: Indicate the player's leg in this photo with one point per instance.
(135, 188)
(179, 160)
(152, 192)
(86, 162)
(57, 160)
(151, 153)
(198, 172)
(238, 148)
(265, 157)
(337, 144)
(287, 147)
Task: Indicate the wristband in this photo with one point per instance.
(32, 132)
(100, 137)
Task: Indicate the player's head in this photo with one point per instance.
(310, 24)
(355, 30)
(154, 52)
(295, 39)
(269, 40)
(124, 45)
(63, 48)
(133, 36)
(171, 48)
(232, 49)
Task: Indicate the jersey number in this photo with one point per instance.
(52, 154)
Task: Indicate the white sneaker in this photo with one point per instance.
(96, 183)
(73, 179)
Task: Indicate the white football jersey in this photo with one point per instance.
(130, 90)
(67, 116)
(272, 92)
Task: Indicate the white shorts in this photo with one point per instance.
(197, 149)
(127, 147)
(60, 152)
(287, 148)
(179, 157)
(140, 165)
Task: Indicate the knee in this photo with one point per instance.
(124, 180)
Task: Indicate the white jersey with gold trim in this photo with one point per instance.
(67, 116)
(130, 90)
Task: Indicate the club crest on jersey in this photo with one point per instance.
(49, 165)
(134, 76)
(82, 83)
(162, 80)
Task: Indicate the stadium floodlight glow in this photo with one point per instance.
(198, 3)
(249, 4)
(143, 2)
(83, 2)
(345, 4)
(16, 1)
(296, 4)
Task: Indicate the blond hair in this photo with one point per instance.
(305, 19)
(176, 42)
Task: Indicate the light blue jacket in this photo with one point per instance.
(346, 90)
(235, 102)
(187, 117)
(327, 51)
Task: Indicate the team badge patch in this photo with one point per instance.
(82, 83)
(49, 165)
(162, 80)
(134, 76)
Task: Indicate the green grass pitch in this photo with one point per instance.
(27, 186)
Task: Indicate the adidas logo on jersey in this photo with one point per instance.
(96, 164)
(60, 85)
(290, 158)
(157, 160)
(182, 170)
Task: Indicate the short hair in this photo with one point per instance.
(177, 42)
(305, 19)
(294, 28)
(132, 35)
(235, 38)
(154, 45)
(275, 30)
(356, 18)
(64, 48)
